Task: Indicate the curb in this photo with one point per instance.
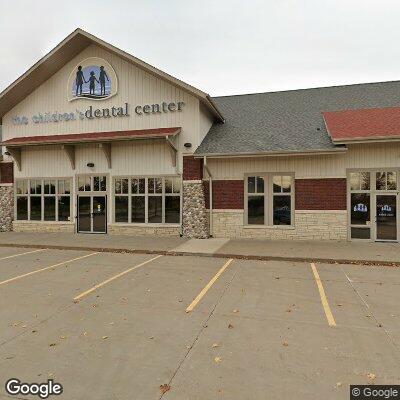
(377, 263)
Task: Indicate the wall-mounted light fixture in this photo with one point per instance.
(90, 164)
(188, 145)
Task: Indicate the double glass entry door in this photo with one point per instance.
(386, 217)
(92, 214)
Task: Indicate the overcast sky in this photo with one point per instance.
(220, 46)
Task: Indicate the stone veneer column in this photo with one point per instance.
(194, 214)
(6, 207)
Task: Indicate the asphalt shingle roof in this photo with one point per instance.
(290, 120)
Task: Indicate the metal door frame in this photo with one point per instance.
(91, 213)
(375, 195)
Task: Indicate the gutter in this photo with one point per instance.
(272, 153)
(210, 186)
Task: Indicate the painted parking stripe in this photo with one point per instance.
(46, 268)
(324, 300)
(194, 303)
(101, 284)
(22, 254)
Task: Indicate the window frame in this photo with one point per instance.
(146, 196)
(373, 192)
(42, 197)
(269, 199)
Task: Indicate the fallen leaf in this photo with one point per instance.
(105, 337)
(165, 388)
(63, 337)
(230, 326)
(339, 305)
(235, 310)
(339, 384)
(215, 345)
(217, 359)
(286, 344)
(53, 344)
(288, 310)
(151, 337)
(371, 376)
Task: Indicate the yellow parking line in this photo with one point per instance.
(46, 268)
(99, 285)
(21, 254)
(324, 300)
(207, 287)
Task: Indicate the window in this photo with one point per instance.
(172, 200)
(153, 200)
(43, 200)
(360, 180)
(87, 183)
(282, 200)
(270, 199)
(364, 188)
(255, 200)
(360, 204)
(386, 180)
(121, 200)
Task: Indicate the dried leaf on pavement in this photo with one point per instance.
(165, 388)
(217, 359)
(215, 345)
(230, 326)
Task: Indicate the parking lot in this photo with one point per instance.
(119, 326)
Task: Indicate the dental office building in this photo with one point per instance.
(95, 140)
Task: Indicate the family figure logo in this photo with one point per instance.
(360, 208)
(91, 82)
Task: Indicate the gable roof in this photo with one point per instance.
(369, 124)
(70, 47)
(289, 121)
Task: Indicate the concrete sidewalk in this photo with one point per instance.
(285, 250)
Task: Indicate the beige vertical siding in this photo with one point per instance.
(128, 158)
(135, 87)
(383, 155)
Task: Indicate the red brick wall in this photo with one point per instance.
(6, 172)
(192, 168)
(227, 195)
(320, 194)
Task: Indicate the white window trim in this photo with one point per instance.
(146, 195)
(268, 200)
(42, 196)
(372, 192)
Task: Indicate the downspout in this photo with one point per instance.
(210, 202)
